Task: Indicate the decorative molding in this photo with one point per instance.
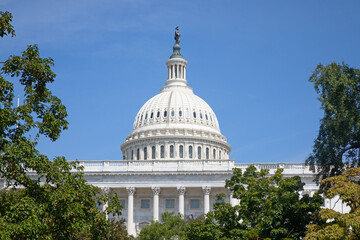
(156, 190)
(181, 190)
(206, 190)
(130, 190)
(105, 190)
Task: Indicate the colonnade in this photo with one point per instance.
(156, 210)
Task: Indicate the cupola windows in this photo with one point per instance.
(199, 152)
(165, 113)
(151, 115)
(181, 151)
(158, 114)
(207, 153)
(153, 152)
(180, 113)
(190, 152)
(171, 151)
(145, 153)
(172, 113)
(194, 114)
(162, 152)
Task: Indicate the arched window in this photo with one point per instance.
(199, 152)
(165, 113)
(171, 151)
(214, 154)
(151, 115)
(153, 152)
(180, 113)
(141, 118)
(206, 117)
(210, 118)
(158, 114)
(219, 154)
(201, 115)
(181, 151)
(145, 153)
(172, 113)
(138, 154)
(190, 152)
(207, 153)
(194, 114)
(132, 154)
(162, 151)
(146, 115)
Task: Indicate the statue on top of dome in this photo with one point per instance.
(177, 35)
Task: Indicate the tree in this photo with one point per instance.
(271, 206)
(335, 225)
(337, 146)
(56, 202)
(170, 226)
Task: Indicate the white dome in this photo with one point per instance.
(175, 123)
(176, 107)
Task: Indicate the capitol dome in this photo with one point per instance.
(175, 124)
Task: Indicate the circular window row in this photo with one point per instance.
(200, 116)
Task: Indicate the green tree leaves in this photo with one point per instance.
(335, 225)
(338, 143)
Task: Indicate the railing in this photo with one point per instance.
(157, 165)
(289, 168)
(186, 165)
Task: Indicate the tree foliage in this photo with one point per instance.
(270, 206)
(42, 199)
(170, 226)
(335, 225)
(337, 146)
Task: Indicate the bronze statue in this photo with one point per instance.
(177, 35)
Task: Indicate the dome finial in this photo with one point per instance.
(176, 48)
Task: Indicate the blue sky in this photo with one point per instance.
(249, 60)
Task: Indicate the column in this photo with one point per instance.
(105, 191)
(130, 220)
(206, 191)
(169, 72)
(156, 191)
(172, 72)
(177, 71)
(181, 200)
(184, 72)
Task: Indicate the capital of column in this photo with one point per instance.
(156, 190)
(181, 190)
(105, 190)
(130, 190)
(206, 190)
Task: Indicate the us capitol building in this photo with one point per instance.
(175, 159)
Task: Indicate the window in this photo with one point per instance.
(122, 202)
(158, 114)
(145, 153)
(219, 154)
(175, 71)
(165, 113)
(201, 115)
(214, 154)
(152, 115)
(138, 154)
(194, 114)
(207, 153)
(206, 117)
(132, 154)
(145, 203)
(181, 151)
(180, 113)
(199, 152)
(146, 115)
(153, 152)
(170, 203)
(210, 118)
(190, 152)
(141, 118)
(171, 151)
(162, 151)
(194, 203)
(172, 113)
(219, 201)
